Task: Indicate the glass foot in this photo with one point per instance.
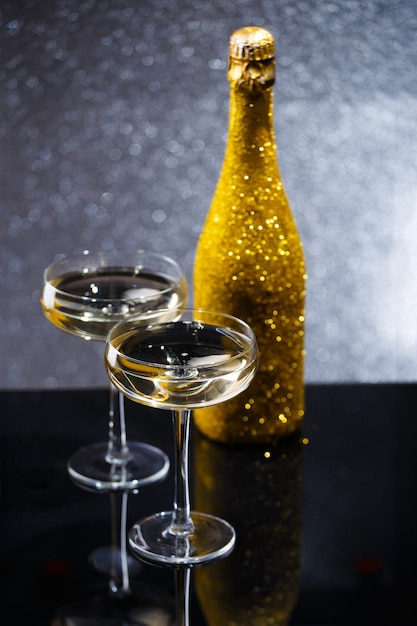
(152, 541)
(89, 469)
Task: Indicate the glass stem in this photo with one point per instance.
(181, 523)
(182, 595)
(119, 583)
(117, 450)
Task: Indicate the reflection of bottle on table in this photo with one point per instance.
(258, 489)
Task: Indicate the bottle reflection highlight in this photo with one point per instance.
(259, 490)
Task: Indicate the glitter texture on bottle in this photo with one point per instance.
(249, 260)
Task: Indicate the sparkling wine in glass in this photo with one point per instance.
(181, 360)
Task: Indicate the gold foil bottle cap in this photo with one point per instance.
(251, 59)
(252, 43)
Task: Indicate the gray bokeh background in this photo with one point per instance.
(112, 132)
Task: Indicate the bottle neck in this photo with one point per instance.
(251, 137)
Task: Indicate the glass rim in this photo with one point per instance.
(124, 251)
(142, 317)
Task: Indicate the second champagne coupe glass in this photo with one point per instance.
(180, 361)
(85, 295)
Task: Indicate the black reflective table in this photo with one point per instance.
(341, 500)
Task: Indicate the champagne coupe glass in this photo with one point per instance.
(85, 295)
(181, 360)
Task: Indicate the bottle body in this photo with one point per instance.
(250, 263)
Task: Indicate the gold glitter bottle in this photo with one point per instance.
(250, 260)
